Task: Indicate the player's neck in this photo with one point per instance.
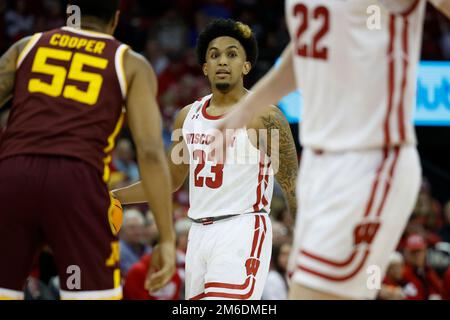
(94, 27)
(227, 99)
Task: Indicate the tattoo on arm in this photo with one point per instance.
(7, 74)
(283, 155)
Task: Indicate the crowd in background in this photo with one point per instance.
(165, 32)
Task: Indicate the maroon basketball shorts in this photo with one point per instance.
(64, 203)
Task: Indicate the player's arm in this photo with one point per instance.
(280, 146)
(397, 6)
(178, 168)
(442, 5)
(178, 156)
(277, 83)
(401, 6)
(145, 125)
(8, 70)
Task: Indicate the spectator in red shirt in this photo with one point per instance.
(422, 282)
(135, 280)
(392, 287)
(447, 284)
(445, 230)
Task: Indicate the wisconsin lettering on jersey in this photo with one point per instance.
(205, 139)
(200, 138)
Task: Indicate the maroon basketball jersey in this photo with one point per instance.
(68, 98)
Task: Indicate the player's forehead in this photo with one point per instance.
(225, 43)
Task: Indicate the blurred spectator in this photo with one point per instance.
(280, 233)
(19, 22)
(427, 210)
(422, 282)
(447, 284)
(174, 290)
(217, 9)
(444, 233)
(124, 160)
(53, 15)
(276, 287)
(3, 41)
(171, 32)
(391, 288)
(134, 286)
(155, 54)
(131, 240)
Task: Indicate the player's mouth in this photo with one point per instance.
(222, 74)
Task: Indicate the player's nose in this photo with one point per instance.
(223, 61)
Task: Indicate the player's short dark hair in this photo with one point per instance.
(103, 10)
(228, 28)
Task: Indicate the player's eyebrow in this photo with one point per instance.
(229, 47)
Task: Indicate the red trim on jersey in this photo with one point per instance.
(227, 295)
(408, 11)
(256, 235)
(401, 118)
(249, 279)
(265, 202)
(263, 236)
(389, 180)
(337, 264)
(337, 278)
(375, 184)
(229, 285)
(391, 80)
(259, 189)
(205, 112)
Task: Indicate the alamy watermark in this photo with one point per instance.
(374, 20)
(374, 278)
(73, 17)
(243, 147)
(73, 281)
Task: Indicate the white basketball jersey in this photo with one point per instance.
(355, 65)
(243, 184)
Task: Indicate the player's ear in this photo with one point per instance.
(115, 21)
(205, 69)
(247, 68)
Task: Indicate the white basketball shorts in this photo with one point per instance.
(353, 208)
(229, 259)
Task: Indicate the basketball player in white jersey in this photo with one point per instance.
(230, 242)
(360, 170)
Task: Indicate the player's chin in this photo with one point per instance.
(223, 86)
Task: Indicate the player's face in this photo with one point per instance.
(226, 63)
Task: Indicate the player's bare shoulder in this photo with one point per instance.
(134, 64)
(181, 116)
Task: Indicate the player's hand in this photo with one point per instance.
(225, 131)
(235, 119)
(162, 267)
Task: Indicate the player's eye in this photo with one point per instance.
(232, 54)
(214, 55)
